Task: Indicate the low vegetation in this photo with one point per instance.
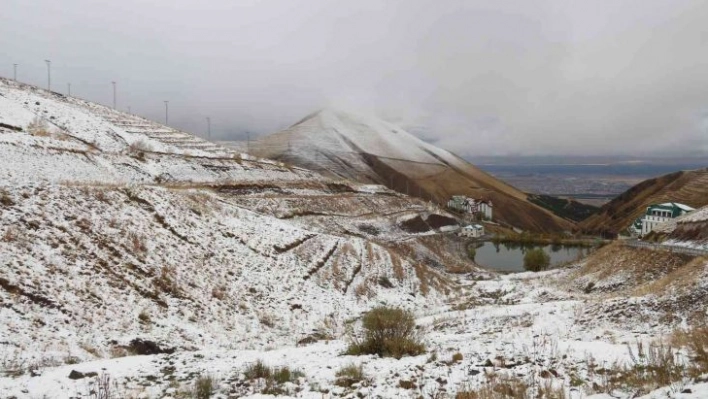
(525, 239)
(38, 127)
(272, 379)
(565, 208)
(204, 387)
(388, 332)
(536, 260)
(350, 375)
(498, 386)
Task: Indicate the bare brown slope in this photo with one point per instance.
(439, 174)
(686, 187)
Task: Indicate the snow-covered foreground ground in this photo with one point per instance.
(531, 326)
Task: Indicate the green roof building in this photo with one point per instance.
(660, 213)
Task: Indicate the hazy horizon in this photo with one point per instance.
(477, 78)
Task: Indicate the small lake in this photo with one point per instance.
(510, 257)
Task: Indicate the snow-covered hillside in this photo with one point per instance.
(137, 261)
(369, 150)
(114, 229)
(689, 230)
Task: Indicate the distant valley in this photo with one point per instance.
(591, 180)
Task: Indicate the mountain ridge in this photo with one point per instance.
(689, 187)
(369, 150)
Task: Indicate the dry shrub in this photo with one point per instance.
(204, 387)
(273, 378)
(695, 340)
(100, 195)
(6, 199)
(651, 367)
(350, 375)
(166, 281)
(144, 317)
(10, 235)
(117, 351)
(257, 370)
(137, 243)
(267, 320)
(138, 149)
(423, 278)
(457, 357)
(219, 292)
(84, 224)
(388, 332)
(498, 387)
(364, 289)
(38, 127)
(550, 391)
(398, 271)
(90, 349)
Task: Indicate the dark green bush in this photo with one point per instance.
(536, 260)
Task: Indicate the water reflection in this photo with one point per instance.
(509, 256)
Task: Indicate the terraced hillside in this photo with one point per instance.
(687, 187)
(115, 229)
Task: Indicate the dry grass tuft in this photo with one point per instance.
(6, 199)
(273, 378)
(498, 387)
(39, 128)
(204, 387)
(695, 340)
(350, 375)
(10, 235)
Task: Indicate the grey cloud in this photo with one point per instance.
(476, 77)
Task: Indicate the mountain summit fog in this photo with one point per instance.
(476, 77)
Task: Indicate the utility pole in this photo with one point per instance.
(14, 72)
(114, 94)
(208, 119)
(68, 89)
(49, 75)
(166, 112)
(248, 141)
(129, 109)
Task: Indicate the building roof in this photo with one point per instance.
(675, 208)
(678, 205)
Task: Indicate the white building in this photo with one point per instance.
(660, 213)
(463, 204)
(474, 231)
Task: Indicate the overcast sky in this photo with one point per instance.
(476, 77)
